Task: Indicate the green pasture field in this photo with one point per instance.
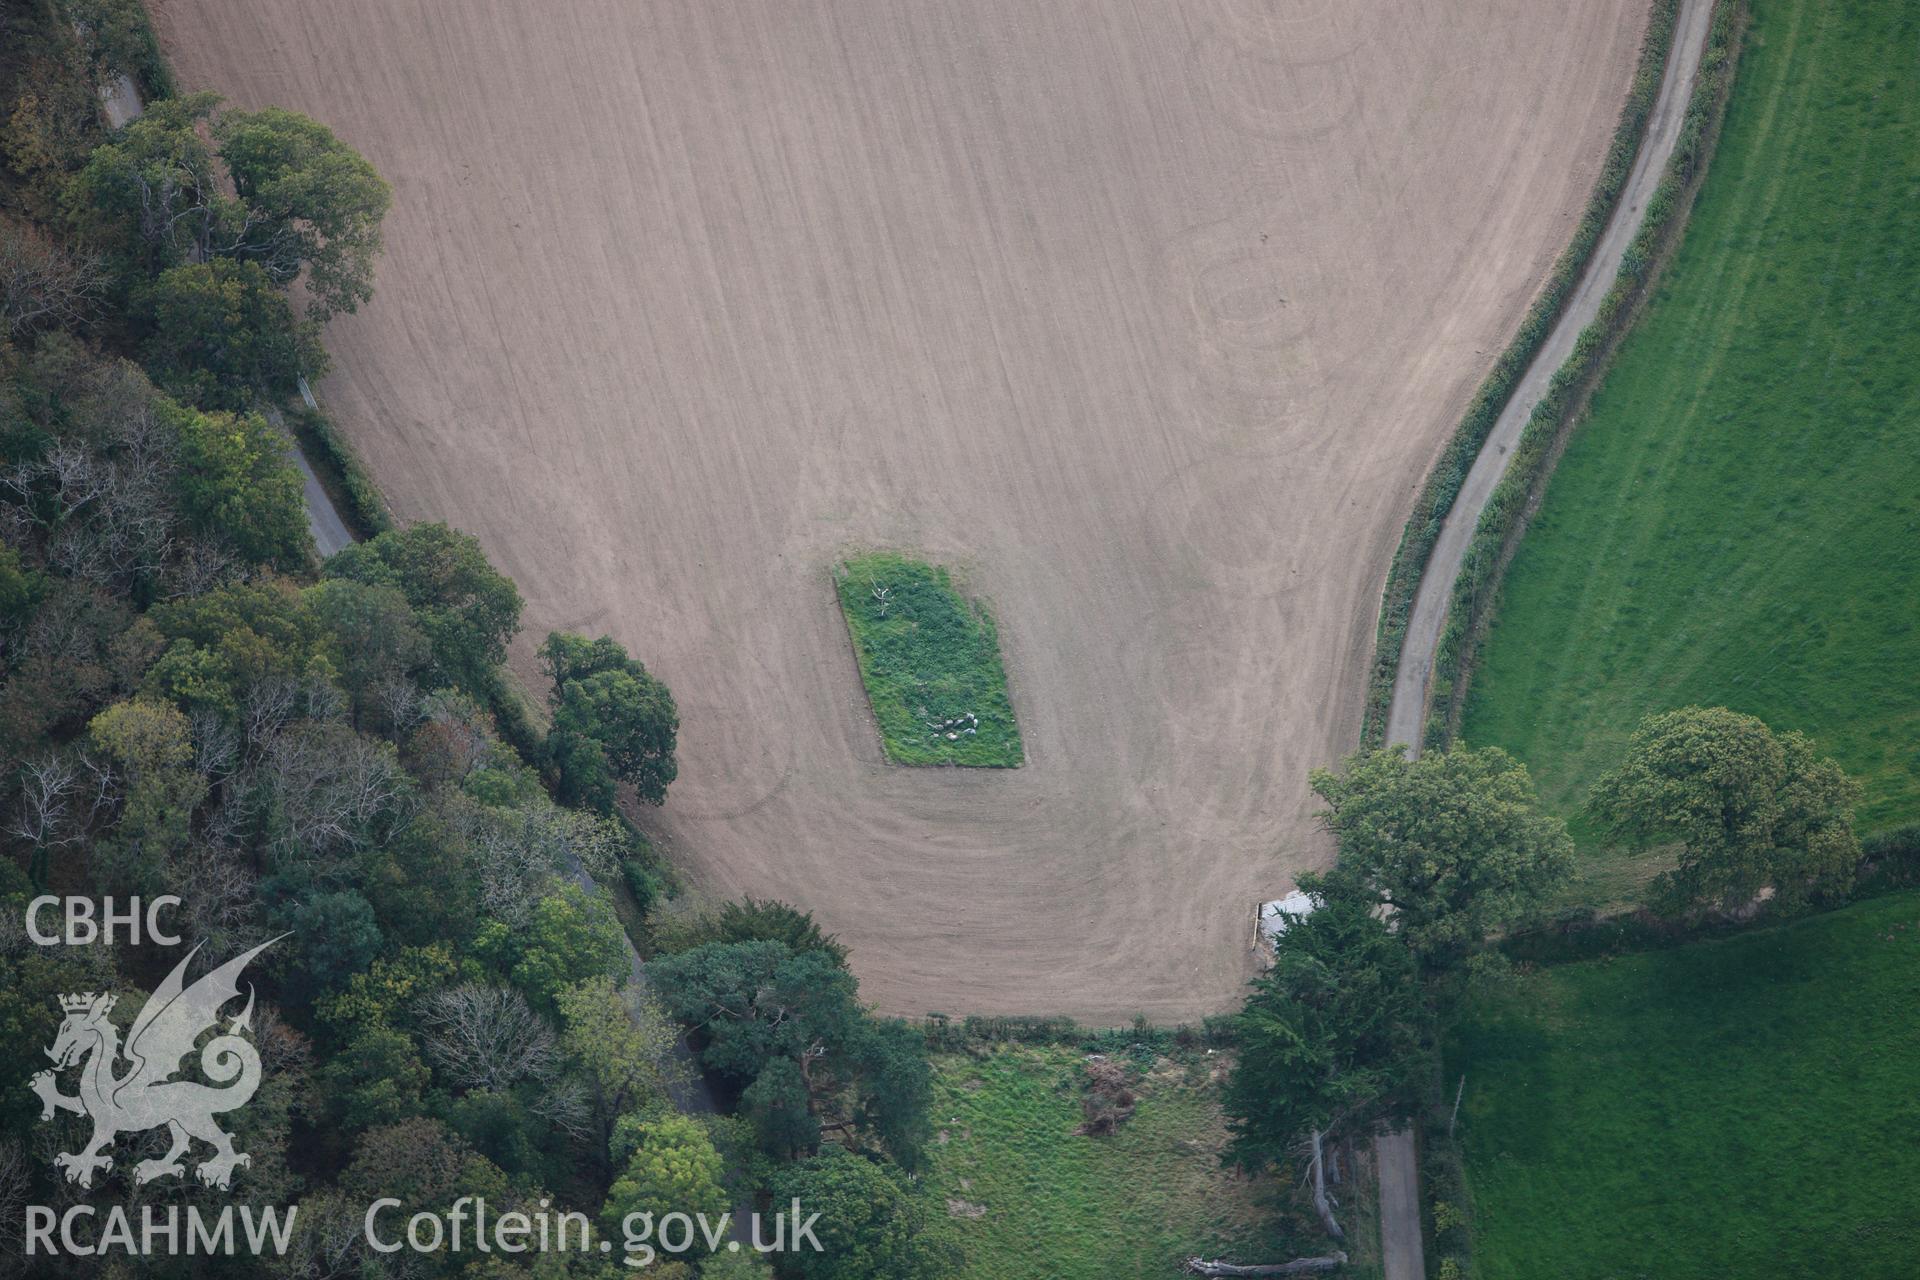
(1738, 522)
(1030, 1197)
(930, 660)
(1740, 1107)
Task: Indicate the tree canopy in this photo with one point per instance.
(221, 331)
(748, 920)
(1332, 1039)
(317, 204)
(157, 197)
(612, 722)
(874, 1224)
(468, 609)
(1454, 843)
(1749, 809)
(237, 476)
(672, 1168)
(788, 1025)
(757, 1001)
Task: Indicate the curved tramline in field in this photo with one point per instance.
(1153, 315)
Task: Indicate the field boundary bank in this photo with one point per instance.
(1473, 600)
(1449, 471)
(1889, 863)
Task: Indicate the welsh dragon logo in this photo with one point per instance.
(144, 1095)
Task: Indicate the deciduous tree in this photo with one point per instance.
(149, 747)
(672, 1168)
(1748, 808)
(1454, 843)
(300, 201)
(483, 1037)
(41, 283)
(222, 332)
(620, 1041)
(152, 195)
(874, 1224)
(611, 721)
(570, 937)
(376, 1079)
(237, 480)
(317, 203)
(467, 608)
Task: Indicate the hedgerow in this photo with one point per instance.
(1450, 472)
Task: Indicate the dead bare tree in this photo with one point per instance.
(487, 1037)
(266, 707)
(1323, 1203)
(217, 892)
(400, 700)
(100, 787)
(329, 1242)
(329, 786)
(216, 745)
(43, 284)
(16, 1180)
(49, 785)
(323, 699)
(199, 565)
(463, 723)
(517, 854)
(513, 868)
(99, 495)
(564, 1104)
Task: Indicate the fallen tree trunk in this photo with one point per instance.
(1298, 1267)
(1322, 1202)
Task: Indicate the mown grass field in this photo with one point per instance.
(930, 660)
(1030, 1197)
(1744, 1107)
(1738, 522)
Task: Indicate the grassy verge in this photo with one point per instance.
(1736, 522)
(930, 660)
(1450, 472)
(1734, 1108)
(1031, 1197)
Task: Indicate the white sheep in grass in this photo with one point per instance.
(952, 728)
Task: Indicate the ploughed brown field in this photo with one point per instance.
(1147, 317)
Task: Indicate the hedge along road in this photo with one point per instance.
(1407, 713)
(1402, 1255)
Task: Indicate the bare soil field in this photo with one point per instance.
(1148, 317)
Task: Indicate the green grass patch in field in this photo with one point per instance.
(1741, 1107)
(1030, 1197)
(1738, 522)
(930, 660)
